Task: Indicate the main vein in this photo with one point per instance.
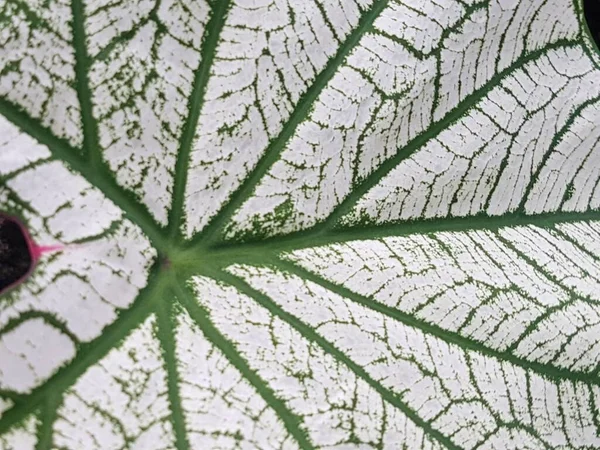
(209, 50)
(222, 254)
(166, 336)
(91, 149)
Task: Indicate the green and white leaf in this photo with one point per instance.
(302, 224)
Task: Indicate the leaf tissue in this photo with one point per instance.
(300, 224)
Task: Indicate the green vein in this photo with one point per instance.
(106, 51)
(50, 319)
(59, 147)
(91, 148)
(554, 373)
(48, 417)
(227, 253)
(292, 423)
(301, 111)
(312, 336)
(91, 145)
(100, 178)
(166, 336)
(87, 355)
(209, 50)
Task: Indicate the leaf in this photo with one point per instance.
(304, 224)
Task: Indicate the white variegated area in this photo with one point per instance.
(473, 399)
(30, 353)
(533, 139)
(222, 410)
(144, 55)
(268, 56)
(103, 266)
(120, 402)
(407, 76)
(337, 408)
(530, 291)
(37, 64)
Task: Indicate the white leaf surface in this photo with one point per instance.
(526, 290)
(502, 153)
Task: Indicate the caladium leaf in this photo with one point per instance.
(301, 224)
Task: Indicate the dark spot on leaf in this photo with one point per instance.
(16, 260)
(165, 263)
(591, 9)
